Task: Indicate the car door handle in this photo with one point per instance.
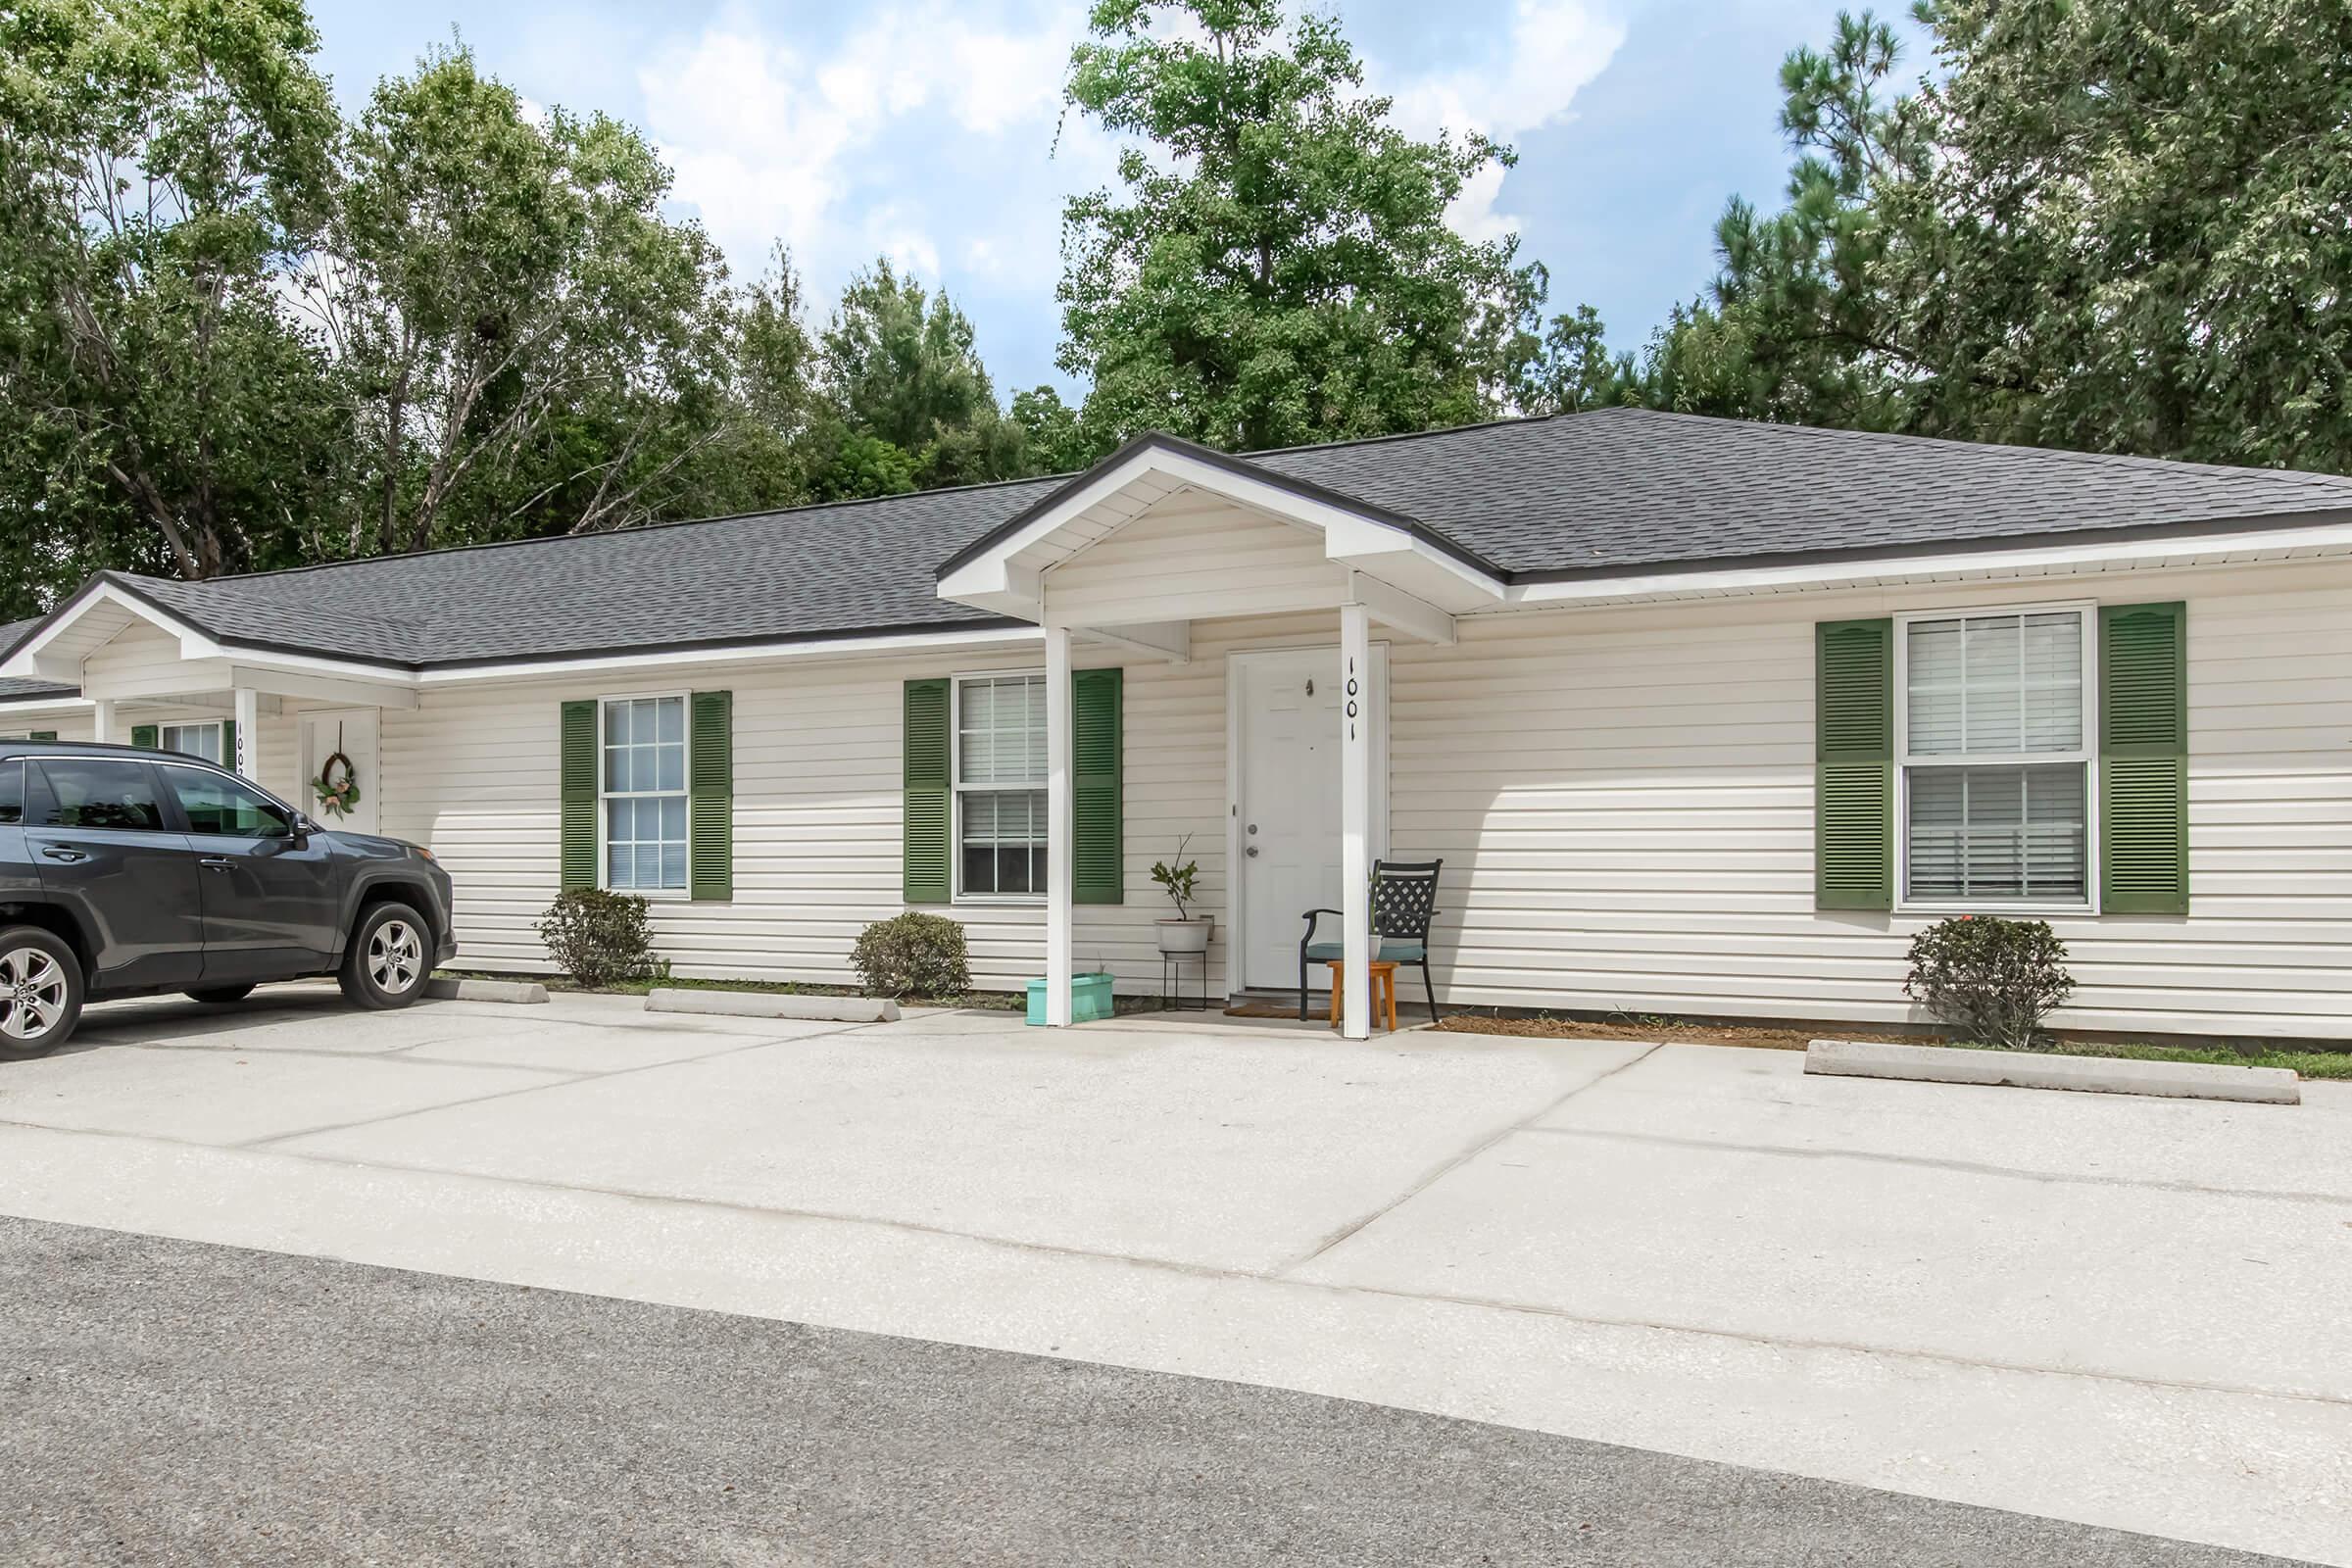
(217, 862)
(66, 853)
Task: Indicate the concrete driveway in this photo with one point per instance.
(2118, 1312)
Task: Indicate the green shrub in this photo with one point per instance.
(1992, 980)
(914, 954)
(598, 937)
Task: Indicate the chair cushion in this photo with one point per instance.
(1390, 951)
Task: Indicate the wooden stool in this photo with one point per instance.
(1384, 990)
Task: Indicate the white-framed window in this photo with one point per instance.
(641, 792)
(1000, 775)
(202, 739)
(1993, 729)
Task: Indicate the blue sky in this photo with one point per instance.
(926, 130)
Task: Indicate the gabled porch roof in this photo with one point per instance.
(1375, 555)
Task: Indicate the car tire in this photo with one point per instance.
(389, 959)
(220, 996)
(40, 991)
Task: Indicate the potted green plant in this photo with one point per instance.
(1188, 932)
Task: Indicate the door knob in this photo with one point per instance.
(1253, 851)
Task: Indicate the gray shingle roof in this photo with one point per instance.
(1636, 488)
(13, 690)
(1615, 490)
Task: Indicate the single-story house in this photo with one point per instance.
(1702, 716)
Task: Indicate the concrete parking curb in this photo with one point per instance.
(2105, 1075)
(774, 1005)
(485, 990)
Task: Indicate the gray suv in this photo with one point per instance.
(125, 872)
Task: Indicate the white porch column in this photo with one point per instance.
(1058, 834)
(1355, 817)
(102, 720)
(247, 763)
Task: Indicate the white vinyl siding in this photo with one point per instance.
(1623, 799)
(1993, 740)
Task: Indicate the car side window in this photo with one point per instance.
(217, 804)
(95, 793)
(12, 793)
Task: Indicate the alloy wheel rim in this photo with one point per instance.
(32, 993)
(394, 957)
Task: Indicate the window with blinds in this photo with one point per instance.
(1000, 786)
(1993, 744)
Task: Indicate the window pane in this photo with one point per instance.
(222, 805)
(1002, 844)
(101, 795)
(191, 740)
(673, 820)
(1995, 684)
(1989, 834)
(11, 793)
(1001, 730)
(672, 722)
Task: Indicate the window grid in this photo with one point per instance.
(193, 740)
(1993, 717)
(1000, 777)
(641, 783)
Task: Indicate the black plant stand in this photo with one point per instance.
(1171, 982)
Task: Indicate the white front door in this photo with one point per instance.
(1288, 821)
(351, 732)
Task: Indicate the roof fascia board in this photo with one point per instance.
(1406, 613)
(2041, 559)
(851, 646)
(34, 704)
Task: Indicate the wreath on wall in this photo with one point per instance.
(337, 784)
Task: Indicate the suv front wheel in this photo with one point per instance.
(40, 990)
(389, 957)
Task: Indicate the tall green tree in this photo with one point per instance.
(529, 345)
(2133, 234)
(1277, 268)
(1797, 326)
(161, 164)
(912, 405)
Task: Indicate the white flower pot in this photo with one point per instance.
(1185, 936)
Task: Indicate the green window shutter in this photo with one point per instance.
(143, 735)
(2143, 758)
(228, 744)
(43, 735)
(579, 761)
(1098, 866)
(710, 797)
(927, 804)
(1853, 825)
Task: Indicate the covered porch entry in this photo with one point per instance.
(1165, 539)
(152, 679)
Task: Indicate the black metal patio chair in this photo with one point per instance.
(1405, 900)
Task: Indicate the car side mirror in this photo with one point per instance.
(304, 827)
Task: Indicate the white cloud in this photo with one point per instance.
(1548, 52)
(771, 142)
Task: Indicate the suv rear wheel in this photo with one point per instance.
(40, 990)
(389, 956)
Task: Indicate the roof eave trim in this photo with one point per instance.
(2142, 547)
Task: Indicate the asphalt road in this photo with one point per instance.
(171, 1403)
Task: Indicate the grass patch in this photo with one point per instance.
(2305, 1063)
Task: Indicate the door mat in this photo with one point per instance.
(1267, 1009)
